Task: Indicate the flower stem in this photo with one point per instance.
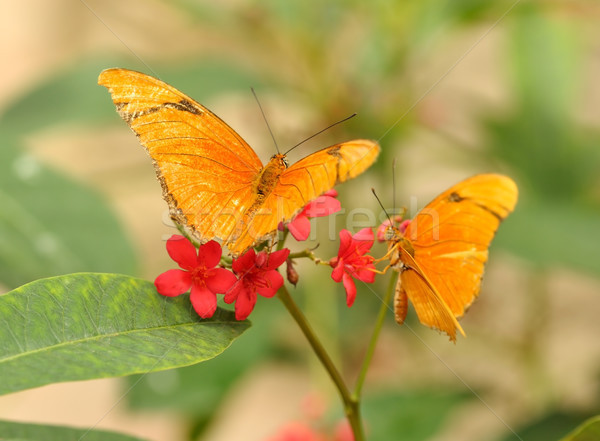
(374, 337)
(351, 404)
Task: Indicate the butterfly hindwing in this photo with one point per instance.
(307, 179)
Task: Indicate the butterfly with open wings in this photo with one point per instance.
(213, 181)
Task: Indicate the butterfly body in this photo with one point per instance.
(267, 179)
(213, 181)
(441, 254)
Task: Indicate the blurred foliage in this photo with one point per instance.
(556, 158)
(51, 224)
(410, 416)
(588, 431)
(552, 426)
(11, 431)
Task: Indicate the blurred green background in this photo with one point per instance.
(449, 88)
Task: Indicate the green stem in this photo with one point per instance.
(351, 405)
(383, 309)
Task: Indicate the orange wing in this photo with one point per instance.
(304, 181)
(446, 247)
(211, 178)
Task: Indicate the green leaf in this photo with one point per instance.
(85, 326)
(410, 416)
(10, 431)
(50, 224)
(197, 391)
(588, 431)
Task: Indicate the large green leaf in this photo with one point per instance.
(588, 431)
(85, 326)
(50, 224)
(10, 431)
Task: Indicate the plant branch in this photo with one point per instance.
(373, 342)
(351, 405)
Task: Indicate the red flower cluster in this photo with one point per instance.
(352, 261)
(256, 273)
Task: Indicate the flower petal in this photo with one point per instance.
(182, 251)
(338, 271)
(323, 206)
(244, 304)
(277, 258)
(363, 240)
(345, 243)
(209, 254)
(350, 289)
(220, 280)
(245, 262)
(365, 274)
(173, 282)
(203, 300)
(273, 281)
(404, 225)
(233, 293)
(300, 228)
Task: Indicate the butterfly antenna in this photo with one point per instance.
(321, 131)
(382, 207)
(394, 184)
(265, 118)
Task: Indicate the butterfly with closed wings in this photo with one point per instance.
(441, 253)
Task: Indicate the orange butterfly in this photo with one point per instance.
(442, 252)
(211, 178)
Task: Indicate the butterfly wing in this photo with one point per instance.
(306, 180)
(448, 247)
(205, 168)
(431, 308)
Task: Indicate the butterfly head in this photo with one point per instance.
(392, 230)
(280, 159)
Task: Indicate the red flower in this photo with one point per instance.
(352, 261)
(297, 431)
(383, 228)
(257, 274)
(324, 205)
(343, 431)
(198, 273)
